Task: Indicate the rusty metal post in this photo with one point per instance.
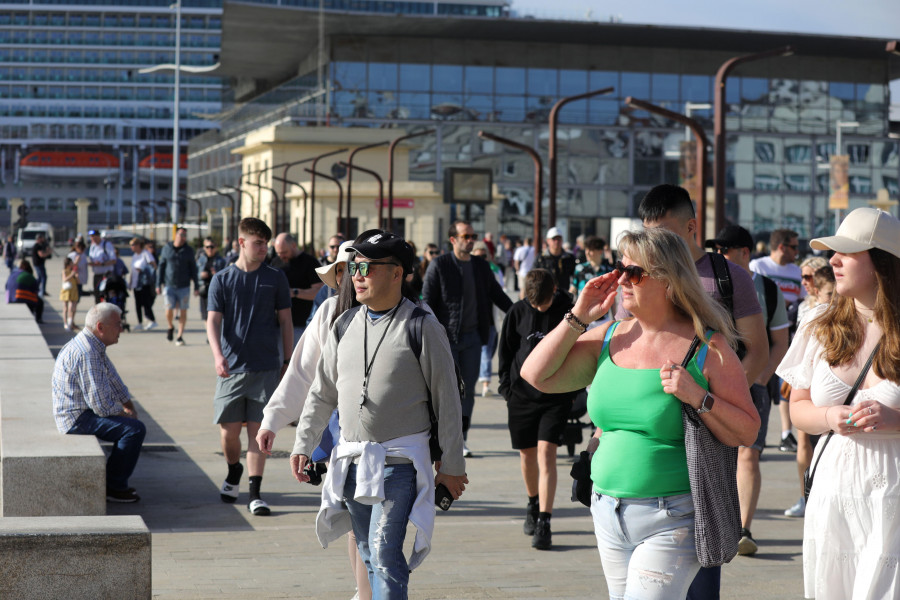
(538, 182)
(552, 150)
(340, 192)
(350, 166)
(377, 177)
(702, 143)
(391, 172)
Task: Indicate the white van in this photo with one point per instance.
(27, 237)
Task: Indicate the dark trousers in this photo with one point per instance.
(467, 354)
(127, 435)
(706, 584)
(143, 302)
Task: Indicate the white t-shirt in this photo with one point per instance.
(525, 257)
(788, 277)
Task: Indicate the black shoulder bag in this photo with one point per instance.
(811, 471)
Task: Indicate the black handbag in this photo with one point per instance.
(811, 471)
(712, 470)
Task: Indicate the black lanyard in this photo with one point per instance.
(367, 365)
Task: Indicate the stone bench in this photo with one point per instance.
(74, 557)
(42, 472)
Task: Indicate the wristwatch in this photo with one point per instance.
(704, 407)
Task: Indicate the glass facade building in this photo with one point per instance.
(781, 116)
(70, 85)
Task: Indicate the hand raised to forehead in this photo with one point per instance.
(597, 297)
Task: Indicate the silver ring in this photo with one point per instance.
(870, 411)
(673, 367)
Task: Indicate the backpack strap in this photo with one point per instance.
(771, 290)
(722, 274)
(343, 322)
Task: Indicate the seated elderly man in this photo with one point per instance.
(89, 398)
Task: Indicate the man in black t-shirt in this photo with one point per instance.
(300, 269)
(40, 252)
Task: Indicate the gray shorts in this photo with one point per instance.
(763, 404)
(242, 397)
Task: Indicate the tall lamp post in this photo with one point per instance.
(230, 200)
(702, 144)
(719, 129)
(340, 194)
(538, 181)
(391, 148)
(380, 190)
(552, 150)
(350, 166)
(284, 200)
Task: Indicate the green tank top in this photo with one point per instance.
(641, 452)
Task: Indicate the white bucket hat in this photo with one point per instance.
(862, 229)
(327, 274)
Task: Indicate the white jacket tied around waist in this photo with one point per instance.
(333, 519)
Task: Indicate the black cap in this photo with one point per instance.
(731, 236)
(383, 244)
(93, 232)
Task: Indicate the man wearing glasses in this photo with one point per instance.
(380, 471)
(209, 263)
(460, 289)
(300, 269)
(334, 245)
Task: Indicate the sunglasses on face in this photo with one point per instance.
(335, 247)
(791, 246)
(432, 253)
(634, 273)
(210, 247)
(806, 277)
(364, 267)
(470, 236)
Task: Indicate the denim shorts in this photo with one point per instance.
(646, 545)
(178, 298)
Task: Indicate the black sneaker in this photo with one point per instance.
(171, 334)
(531, 517)
(747, 546)
(542, 536)
(788, 444)
(121, 496)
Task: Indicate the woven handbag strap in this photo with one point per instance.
(850, 396)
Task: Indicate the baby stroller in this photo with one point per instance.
(114, 290)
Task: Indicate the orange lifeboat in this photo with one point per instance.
(58, 163)
(160, 164)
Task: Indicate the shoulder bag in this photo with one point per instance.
(811, 471)
(712, 470)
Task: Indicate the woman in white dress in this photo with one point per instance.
(851, 538)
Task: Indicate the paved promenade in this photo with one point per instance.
(203, 548)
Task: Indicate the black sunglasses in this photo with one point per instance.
(470, 236)
(635, 273)
(433, 252)
(365, 267)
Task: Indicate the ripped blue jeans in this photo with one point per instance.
(646, 546)
(380, 530)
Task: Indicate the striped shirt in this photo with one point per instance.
(84, 378)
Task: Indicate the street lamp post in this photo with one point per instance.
(230, 200)
(377, 177)
(552, 150)
(719, 129)
(287, 221)
(702, 144)
(340, 194)
(391, 148)
(350, 166)
(312, 193)
(538, 181)
(263, 187)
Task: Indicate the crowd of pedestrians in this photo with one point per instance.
(652, 331)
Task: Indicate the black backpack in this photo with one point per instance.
(722, 273)
(414, 333)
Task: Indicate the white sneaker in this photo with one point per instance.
(466, 452)
(797, 510)
(66, 327)
(179, 342)
(150, 325)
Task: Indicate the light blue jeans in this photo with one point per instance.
(380, 530)
(646, 546)
(487, 355)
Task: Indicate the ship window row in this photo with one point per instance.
(392, 7)
(81, 19)
(121, 3)
(75, 74)
(108, 93)
(96, 38)
(105, 57)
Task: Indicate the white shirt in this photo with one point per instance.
(788, 277)
(525, 257)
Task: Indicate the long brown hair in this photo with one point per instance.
(839, 331)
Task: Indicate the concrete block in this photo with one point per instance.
(44, 558)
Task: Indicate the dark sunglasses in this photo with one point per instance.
(210, 247)
(471, 236)
(433, 253)
(635, 273)
(806, 277)
(336, 246)
(365, 267)
(792, 246)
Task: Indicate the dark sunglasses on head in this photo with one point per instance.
(365, 267)
(470, 236)
(635, 273)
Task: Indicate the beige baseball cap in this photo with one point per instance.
(862, 229)
(327, 274)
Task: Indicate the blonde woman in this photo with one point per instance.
(633, 367)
